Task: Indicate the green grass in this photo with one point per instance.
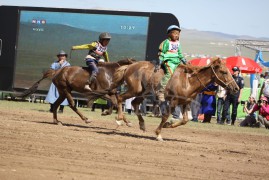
(44, 107)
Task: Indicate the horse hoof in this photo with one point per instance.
(87, 121)
(105, 113)
(159, 139)
(167, 125)
(129, 124)
(143, 128)
(119, 123)
(55, 122)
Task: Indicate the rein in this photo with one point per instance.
(213, 70)
(225, 85)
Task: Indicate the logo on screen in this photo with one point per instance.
(39, 21)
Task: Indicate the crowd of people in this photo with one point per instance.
(212, 100)
(215, 100)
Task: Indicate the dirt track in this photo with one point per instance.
(33, 148)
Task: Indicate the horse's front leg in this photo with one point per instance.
(184, 120)
(74, 108)
(165, 116)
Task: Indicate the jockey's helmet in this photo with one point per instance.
(62, 53)
(104, 35)
(173, 27)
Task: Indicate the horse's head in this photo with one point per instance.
(126, 61)
(223, 76)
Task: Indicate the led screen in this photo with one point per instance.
(42, 34)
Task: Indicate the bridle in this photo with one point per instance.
(223, 83)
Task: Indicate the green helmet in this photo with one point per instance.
(104, 35)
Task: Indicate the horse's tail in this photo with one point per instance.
(47, 74)
(118, 77)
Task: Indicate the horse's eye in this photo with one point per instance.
(224, 72)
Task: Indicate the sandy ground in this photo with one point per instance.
(31, 147)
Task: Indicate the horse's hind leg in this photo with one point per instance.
(74, 108)
(135, 103)
(55, 107)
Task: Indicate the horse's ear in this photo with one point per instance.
(190, 69)
(216, 59)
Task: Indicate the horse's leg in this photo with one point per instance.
(180, 122)
(56, 105)
(165, 115)
(73, 107)
(135, 103)
(185, 118)
(121, 116)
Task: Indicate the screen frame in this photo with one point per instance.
(157, 26)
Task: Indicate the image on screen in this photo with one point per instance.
(42, 34)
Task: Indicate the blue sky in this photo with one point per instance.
(236, 17)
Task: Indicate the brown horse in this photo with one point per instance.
(74, 78)
(186, 82)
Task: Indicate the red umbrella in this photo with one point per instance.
(245, 64)
(200, 61)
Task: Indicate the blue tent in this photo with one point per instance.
(260, 58)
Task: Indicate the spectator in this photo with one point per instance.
(53, 93)
(196, 106)
(250, 119)
(263, 107)
(233, 99)
(221, 95)
(208, 103)
(128, 105)
(176, 114)
(265, 88)
(100, 102)
(261, 80)
(143, 107)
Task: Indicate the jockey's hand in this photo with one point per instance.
(157, 66)
(183, 60)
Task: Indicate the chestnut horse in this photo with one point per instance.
(186, 82)
(74, 78)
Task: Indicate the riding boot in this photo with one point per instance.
(91, 80)
(61, 110)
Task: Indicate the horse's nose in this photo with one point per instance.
(236, 89)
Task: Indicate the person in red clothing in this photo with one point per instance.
(263, 108)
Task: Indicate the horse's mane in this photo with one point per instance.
(112, 64)
(191, 69)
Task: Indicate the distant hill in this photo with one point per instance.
(198, 43)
